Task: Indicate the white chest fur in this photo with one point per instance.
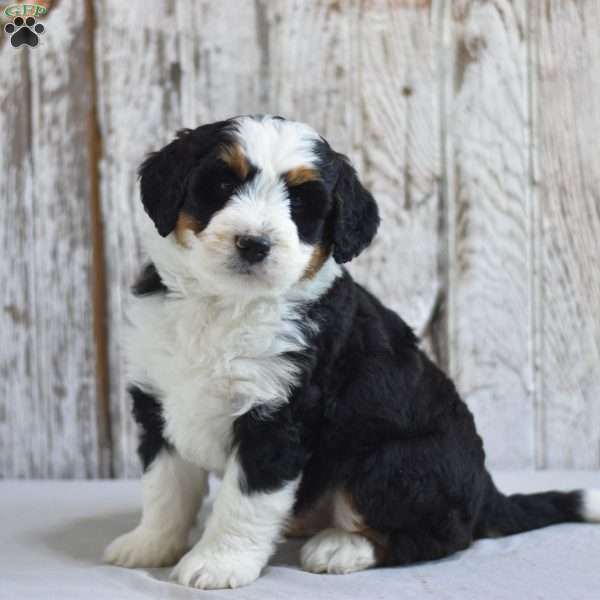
(209, 362)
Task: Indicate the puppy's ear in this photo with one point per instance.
(163, 181)
(355, 216)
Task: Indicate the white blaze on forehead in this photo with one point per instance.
(276, 146)
(260, 208)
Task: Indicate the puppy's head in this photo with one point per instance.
(253, 205)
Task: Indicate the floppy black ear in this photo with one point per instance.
(163, 181)
(355, 218)
(165, 174)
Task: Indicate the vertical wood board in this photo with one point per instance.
(364, 74)
(489, 212)
(52, 407)
(567, 63)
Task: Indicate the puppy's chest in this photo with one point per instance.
(210, 364)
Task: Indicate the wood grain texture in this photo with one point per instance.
(567, 62)
(473, 122)
(364, 74)
(489, 212)
(139, 111)
(152, 83)
(220, 58)
(400, 143)
(49, 386)
(20, 455)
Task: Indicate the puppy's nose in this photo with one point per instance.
(252, 248)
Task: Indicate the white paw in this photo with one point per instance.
(337, 551)
(143, 547)
(213, 568)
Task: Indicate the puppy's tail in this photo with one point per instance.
(505, 515)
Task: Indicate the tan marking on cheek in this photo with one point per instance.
(234, 157)
(301, 175)
(185, 223)
(318, 257)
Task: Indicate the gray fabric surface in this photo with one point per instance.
(52, 535)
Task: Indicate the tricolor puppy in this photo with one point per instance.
(253, 354)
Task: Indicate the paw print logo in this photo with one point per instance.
(24, 31)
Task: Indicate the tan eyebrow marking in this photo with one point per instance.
(185, 223)
(301, 175)
(233, 156)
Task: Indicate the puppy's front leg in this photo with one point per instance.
(173, 490)
(256, 497)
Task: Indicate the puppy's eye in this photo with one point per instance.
(295, 200)
(301, 198)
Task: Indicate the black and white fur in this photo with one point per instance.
(288, 379)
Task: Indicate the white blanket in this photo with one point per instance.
(52, 535)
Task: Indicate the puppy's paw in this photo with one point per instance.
(210, 568)
(337, 551)
(144, 547)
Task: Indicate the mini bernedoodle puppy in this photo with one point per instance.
(254, 355)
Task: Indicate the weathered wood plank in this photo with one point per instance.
(20, 455)
(489, 220)
(60, 91)
(365, 76)
(567, 61)
(50, 387)
(138, 110)
(310, 54)
(400, 143)
(152, 83)
(220, 59)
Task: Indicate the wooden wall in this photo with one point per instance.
(473, 123)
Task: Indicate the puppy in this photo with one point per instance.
(253, 354)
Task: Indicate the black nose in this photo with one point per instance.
(252, 248)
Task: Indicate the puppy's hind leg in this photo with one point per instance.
(396, 509)
(173, 490)
(346, 547)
